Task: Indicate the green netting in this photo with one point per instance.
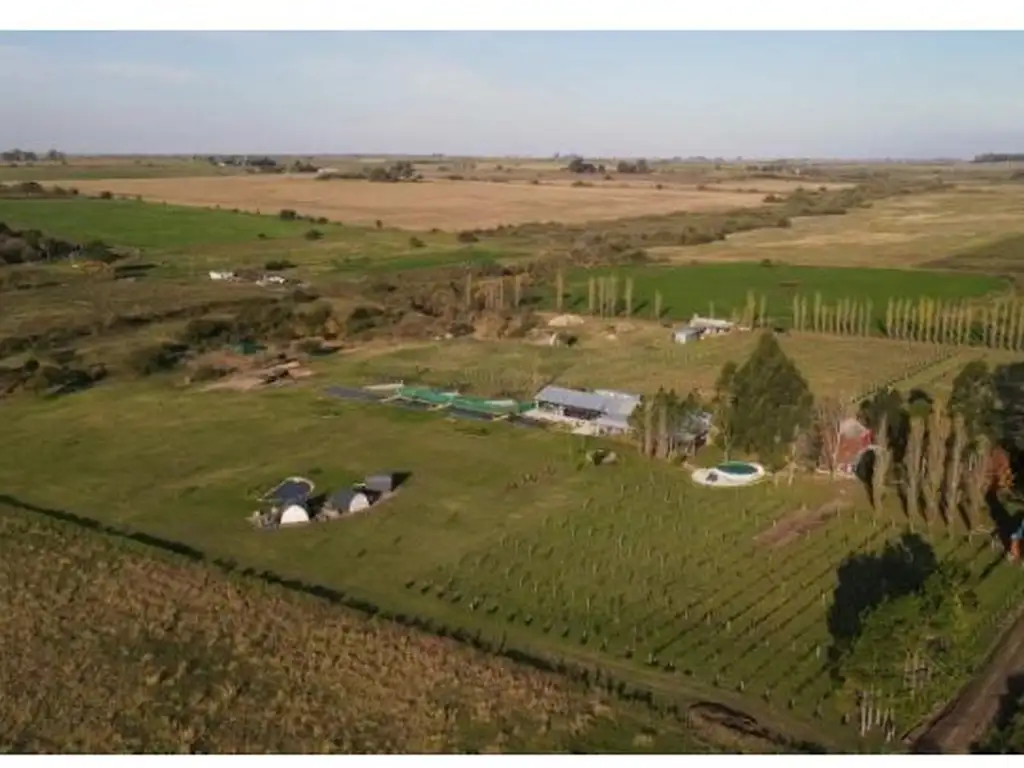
(462, 402)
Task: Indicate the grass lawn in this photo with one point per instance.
(500, 530)
(722, 288)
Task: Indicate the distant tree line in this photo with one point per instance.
(640, 166)
(402, 170)
(25, 156)
(999, 157)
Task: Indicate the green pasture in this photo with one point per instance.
(722, 288)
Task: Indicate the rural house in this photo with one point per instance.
(600, 412)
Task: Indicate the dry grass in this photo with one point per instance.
(119, 650)
(898, 232)
(633, 356)
(445, 205)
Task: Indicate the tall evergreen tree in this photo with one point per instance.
(769, 402)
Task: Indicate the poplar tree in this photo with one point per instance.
(469, 290)
(559, 290)
(657, 305)
(890, 316)
(591, 295)
(818, 325)
(762, 311)
(629, 297)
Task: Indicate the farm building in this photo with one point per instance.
(684, 334)
(453, 401)
(294, 513)
(349, 500)
(599, 412)
(218, 275)
(854, 440)
(711, 326)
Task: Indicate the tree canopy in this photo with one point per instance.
(764, 403)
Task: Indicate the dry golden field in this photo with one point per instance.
(897, 232)
(447, 205)
(112, 649)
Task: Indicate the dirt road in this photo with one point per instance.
(969, 716)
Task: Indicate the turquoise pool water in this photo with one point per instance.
(737, 468)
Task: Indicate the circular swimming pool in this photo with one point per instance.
(738, 468)
(729, 474)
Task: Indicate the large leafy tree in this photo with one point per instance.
(661, 423)
(766, 403)
(974, 398)
(912, 642)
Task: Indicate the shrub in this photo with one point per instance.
(106, 195)
(467, 237)
(415, 242)
(287, 214)
(278, 265)
(156, 358)
(314, 234)
(261, 236)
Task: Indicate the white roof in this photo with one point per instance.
(618, 405)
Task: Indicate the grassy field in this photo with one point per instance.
(253, 668)
(143, 225)
(640, 357)
(721, 288)
(631, 566)
(504, 532)
(430, 204)
(187, 242)
(898, 232)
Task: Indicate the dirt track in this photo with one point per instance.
(969, 716)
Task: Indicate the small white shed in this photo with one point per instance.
(685, 334)
(294, 513)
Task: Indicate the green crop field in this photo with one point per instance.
(722, 288)
(144, 225)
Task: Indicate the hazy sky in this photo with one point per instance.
(729, 94)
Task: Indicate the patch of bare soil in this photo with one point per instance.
(794, 525)
(965, 720)
(731, 728)
(276, 375)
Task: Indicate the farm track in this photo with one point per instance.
(966, 718)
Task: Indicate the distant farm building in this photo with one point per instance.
(711, 326)
(221, 275)
(600, 412)
(854, 441)
(684, 334)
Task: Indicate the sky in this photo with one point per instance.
(615, 94)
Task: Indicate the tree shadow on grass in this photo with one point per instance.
(867, 580)
(1011, 708)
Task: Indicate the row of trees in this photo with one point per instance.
(997, 326)
(665, 425)
(494, 293)
(943, 459)
(26, 156)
